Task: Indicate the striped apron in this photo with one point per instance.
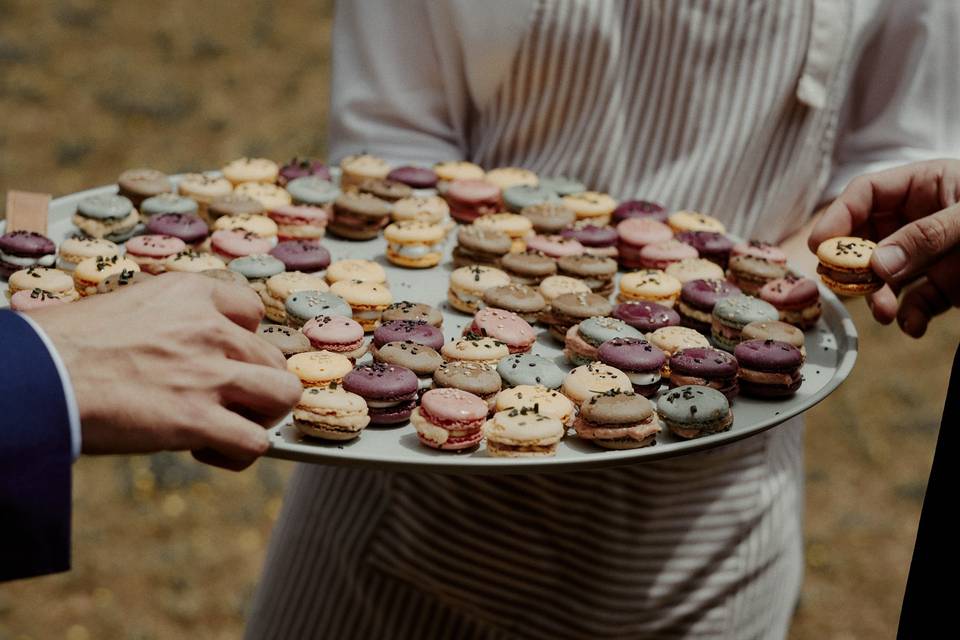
(726, 106)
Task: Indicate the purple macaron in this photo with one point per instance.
(711, 245)
(301, 168)
(414, 177)
(706, 367)
(769, 368)
(640, 360)
(25, 249)
(593, 237)
(417, 331)
(308, 256)
(646, 316)
(697, 299)
(639, 209)
(389, 390)
(186, 226)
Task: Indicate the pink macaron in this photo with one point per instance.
(299, 221)
(555, 246)
(660, 255)
(337, 334)
(32, 299)
(761, 250)
(636, 233)
(505, 326)
(796, 298)
(151, 250)
(235, 243)
(450, 419)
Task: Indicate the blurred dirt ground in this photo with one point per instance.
(164, 547)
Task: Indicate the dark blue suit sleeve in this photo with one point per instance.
(35, 456)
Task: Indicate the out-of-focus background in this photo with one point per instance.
(165, 547)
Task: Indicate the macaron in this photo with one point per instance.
(414, 244)
(301, 306)
(168, 203)
(222, 275)
(193, 262)
(775, 330)
(473, 377)
(642, 209)
(417, 331)
(845, 266)
(24, 249)
(583, 340)
(236, 243)
(660, 255)
(139, 184)
(553, 287)
(302, 168)
(414, 177)
(769, 369)
(545, 401)
(244, 170)
(203, 188)
(449, 419)
(300, 221)
(468, 284)
(591, 205)
(308, 256)
(505, 326)
(530, 369)
(31, 300)
(750, 273)
(711, 245)
(357, 168)
(330, 413)
(571, 309)
(520, 299)
(152, 251)
(122, 280)
(108, 216)
(188, 227)
(356, 270)
(386, 190)
(549, 218)
(582, 383)
(423, 361)
(646, 316)
(259, 225)
(695, 269)
(46, 279)
(596, 239)
(697, 299)
(766, 251)
(480, 246)
(281, 286)
(470, 199)
(562, 185)
(431, 209)
(732, 314)
(517, 197)
(796, 298)
(634, 233)
(406, 310)
(475, 348)
(670, 340)
(638, 359)
(681, 221)
(234, 204)
(367, 299)
(705, 366)
(319, 368)
(512, 224)
(693, 412)
(618, 420)
(287, 339)
(597, 272)
(314, 191)
(92, 271)
(337, 334)
(74, 250)
(358, 216)
(390, 391)
(649, 285)
(269, 195)
(452, 170)
(506, 177)
(522, 433)
(528, 268)
(554, 246)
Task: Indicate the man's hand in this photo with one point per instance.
(912, 212)
(173, 364)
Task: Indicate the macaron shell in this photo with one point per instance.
(319, 367)
(453, 405)
(586, 381)
(155, 246)
(523, 427)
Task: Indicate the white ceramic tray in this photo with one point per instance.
(831, 352)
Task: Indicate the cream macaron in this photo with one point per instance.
(582, 383)
(414, 244)
(518, 227)
(92, 271)
(366, 299)
(549, 402)
(204, 188)
(432, 209)
(473, 348)
(506, 177)
(522, 433)
(75, 250)
(244, 170)
(468, 284)
(281, 286)
(193, 262)
(330, 413)
(354, 269)
(591, 205)
(681, 221)
(357, 168)
(552, 287)
(46, 279)
(269, 195)
(319, 368)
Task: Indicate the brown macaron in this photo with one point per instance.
(618, 420)
(415, 311)
(477, 245)
(528, 268)
(549, 218)
(521, 299)
(597, 272)
(473, 377)
(358, 216)
(572, 308)
(388, 190)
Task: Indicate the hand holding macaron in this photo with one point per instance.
(172, 364)
(913, 213)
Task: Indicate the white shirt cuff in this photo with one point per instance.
(73, 413)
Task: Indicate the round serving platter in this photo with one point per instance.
(831, 352)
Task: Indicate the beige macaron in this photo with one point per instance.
(695, 269)
(192, 262)
(470, 348)
(522, 433)
(414, 244)
(319, 368)
(362, 270)
(204, 187)
(92, 271)
(279, 287)
(270, 195)
(670, 340)
(592, 379)
(432, 209)
(467, 285)
(367, 299)
(251, 170)
(591, 205)
(355, 169)
(681, 221)
(46, 279)
(458, 170)
(650, 285)
(330, 413)
(73, 250)
(260, 226)
(548, 402)
(513, 224)
(552, 287)
(506, 177)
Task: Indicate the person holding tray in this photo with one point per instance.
(753, 112)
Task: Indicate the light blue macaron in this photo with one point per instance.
(257, 267)
(598, 329)
(520, 196)
(168, 203)
(529, 368)
(562, 185)
(694, 410)
(304, 305)
(105, 207)
(312, 190)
